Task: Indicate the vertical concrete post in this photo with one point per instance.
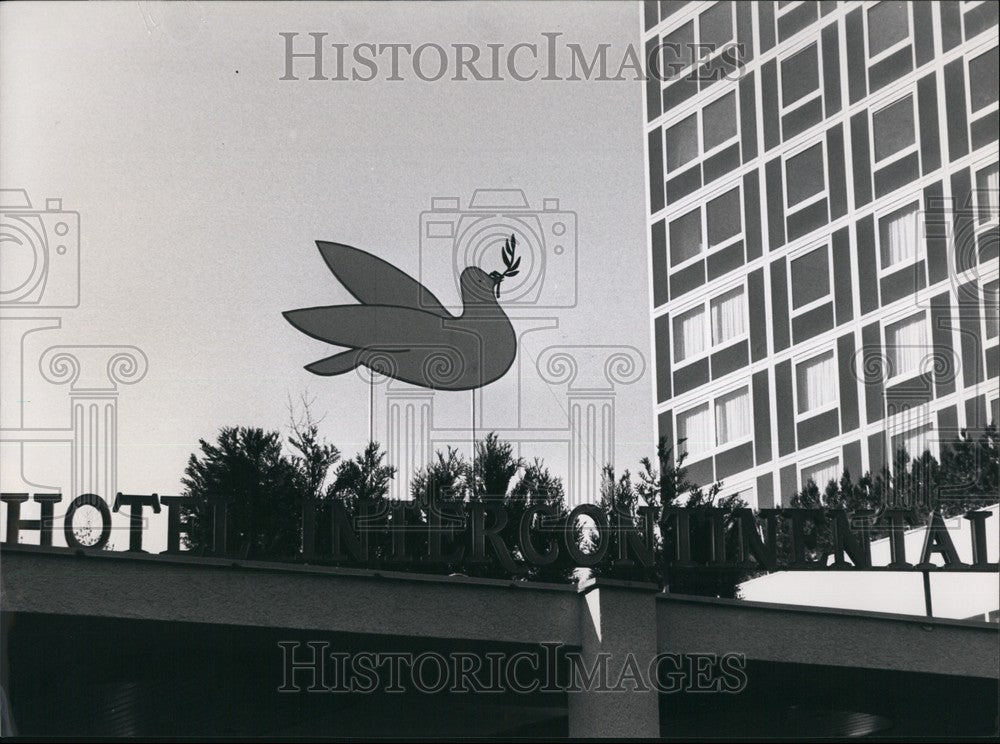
(618, 631)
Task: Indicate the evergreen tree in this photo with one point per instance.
(260, 487)
(966, 478)
(537, 486)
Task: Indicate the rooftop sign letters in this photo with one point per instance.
(487, 532)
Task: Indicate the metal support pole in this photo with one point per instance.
(927, 593)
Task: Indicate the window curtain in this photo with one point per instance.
(748, 496)
(822, 473)
(817, 381)
(694, 426)
(991, 303)
(689, 334)
(914, 442)
(732, 416)
(728, 316)
(908, 346)
(988, 183)
(900, 235)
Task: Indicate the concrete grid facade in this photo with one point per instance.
(823, 237)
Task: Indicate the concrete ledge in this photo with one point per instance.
(814, 610)
(183, 588)
(218, 591)
(808, 635)
(602, 583)
(284, 567)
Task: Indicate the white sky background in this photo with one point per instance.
(202, 190)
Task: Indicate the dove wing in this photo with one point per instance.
(383, 327)
(376, 282)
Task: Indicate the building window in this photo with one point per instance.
(719, 122)
(893, 129)
(821, 473)
(913, 442)
(694, 432)
(744, 492)
(800, 77)
(685, 237)
(689, 334)
(724, 217)
(793, 17)
(801, 94)
(723, 423)
(983, 74)
(678, 49)
(991, 308)
(888, 25)
(906, 345)
(719, 126)
(714, 32)
(899, 235)
(816, 383)
(732, 417)
(805, 176)
(715, 26)
(681, 143)
(728, 317)
(810, 277)
(988, 194)
(717, 323)
(721, 221)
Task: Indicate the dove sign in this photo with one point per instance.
(401, 330)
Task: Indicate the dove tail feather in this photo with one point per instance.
(337, 364)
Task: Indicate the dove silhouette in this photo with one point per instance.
(402, 330)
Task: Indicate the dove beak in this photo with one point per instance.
(497, 278)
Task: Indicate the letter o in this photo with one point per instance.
(580, 558)
(87, 499)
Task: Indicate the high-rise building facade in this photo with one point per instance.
(823, 234)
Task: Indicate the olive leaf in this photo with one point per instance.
(511, 264)
(509, 247)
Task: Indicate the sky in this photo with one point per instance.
(203, 180)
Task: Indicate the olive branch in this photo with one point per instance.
(511, 264)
